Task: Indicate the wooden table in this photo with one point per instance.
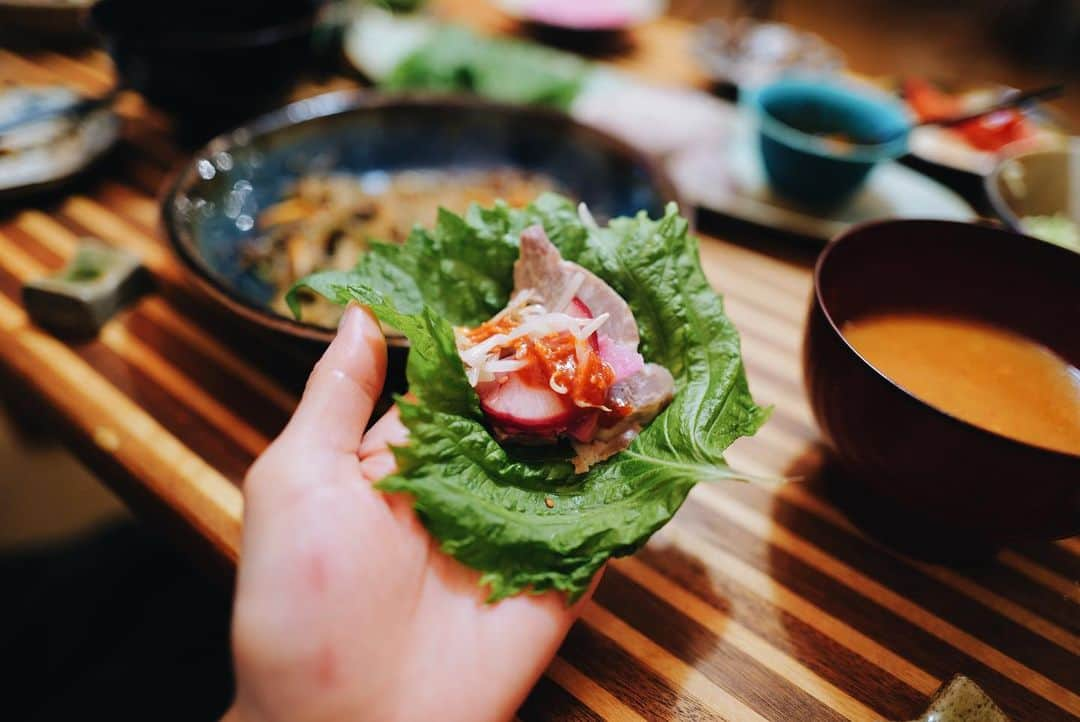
(749, 605)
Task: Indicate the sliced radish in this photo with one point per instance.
(578, 309)
(516, 405)
(624, 360)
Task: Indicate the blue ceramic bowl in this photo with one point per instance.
(209, 210)
(798, 122)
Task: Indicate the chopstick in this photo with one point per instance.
(1010, 100)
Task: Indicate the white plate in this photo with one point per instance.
(728, 178)
(40, 152)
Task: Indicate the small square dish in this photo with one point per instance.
(84, 295)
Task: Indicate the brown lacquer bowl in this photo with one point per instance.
(930, 468)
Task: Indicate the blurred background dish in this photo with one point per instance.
(819, 140)
(212, 64)
(735, 185)
(724, 173)
(930, 463)
(975, 147)
(49, 134)
(700, 139)
(370, 161)
(745, 52)
(1037, 192)
(591, 16)
(375, 41)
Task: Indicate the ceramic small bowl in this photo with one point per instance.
(211, 208)
(77, 301)
(795, 121)
(932, 470)
(1037, 192)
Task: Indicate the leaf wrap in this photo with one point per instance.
(487, 505)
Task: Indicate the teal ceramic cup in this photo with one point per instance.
(819, 140)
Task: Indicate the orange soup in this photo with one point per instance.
(986, 375)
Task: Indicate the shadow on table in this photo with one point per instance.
(883, 520)
(782, 245)
(835, 567)
(112, 625)
(639, 593)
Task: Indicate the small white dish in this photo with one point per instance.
(45, 139)
(728, 178)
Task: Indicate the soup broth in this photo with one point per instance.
(985, 375)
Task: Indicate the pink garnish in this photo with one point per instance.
(590, 15)
(623, 360)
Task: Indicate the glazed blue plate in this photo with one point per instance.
(210, 209)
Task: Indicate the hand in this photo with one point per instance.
(345, 607)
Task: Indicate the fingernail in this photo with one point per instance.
(349, 317)
(357, 319)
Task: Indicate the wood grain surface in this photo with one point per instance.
(751, 605)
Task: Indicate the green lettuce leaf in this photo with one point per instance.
(489, 505)
(455, 59)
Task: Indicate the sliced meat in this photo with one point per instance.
(599, 450)
(647, 392)
(542, 269)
